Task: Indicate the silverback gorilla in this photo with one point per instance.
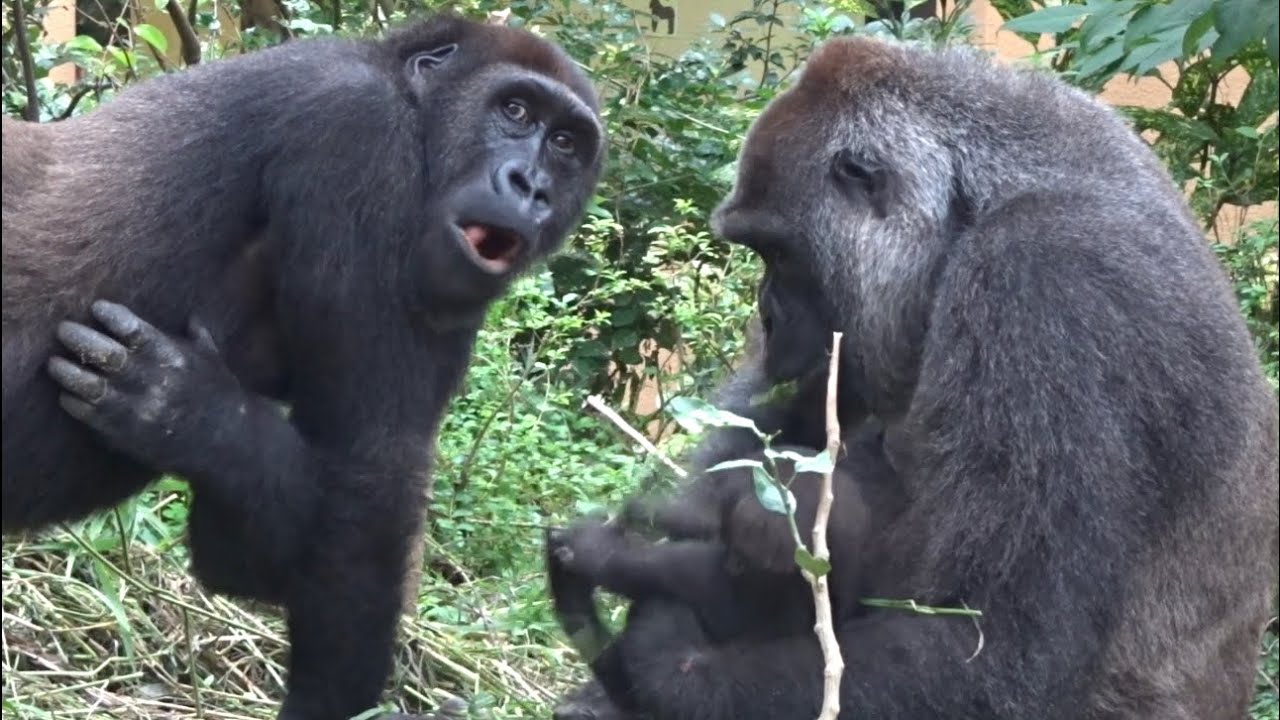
(1084, 437)
(322, 223)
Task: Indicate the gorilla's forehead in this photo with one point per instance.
(793, 128)
(495, 44)
(841, 76)
(526, 50)
(845, 68)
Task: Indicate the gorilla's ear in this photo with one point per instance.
(424, 61)
(863, 180)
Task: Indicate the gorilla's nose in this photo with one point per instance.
(516, 180)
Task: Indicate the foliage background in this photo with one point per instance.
(100, 619)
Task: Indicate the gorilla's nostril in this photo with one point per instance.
(520, 183)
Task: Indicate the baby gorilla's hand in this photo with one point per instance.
(586, 546)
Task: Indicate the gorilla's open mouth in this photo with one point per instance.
(493, 248)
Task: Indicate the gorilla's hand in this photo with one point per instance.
(586, 547)
(148, 395)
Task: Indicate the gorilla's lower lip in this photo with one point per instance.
(495, 249)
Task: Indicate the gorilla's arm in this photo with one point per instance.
(262, 494)
(152, 397)
(690, 571)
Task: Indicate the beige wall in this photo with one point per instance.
(60, 26)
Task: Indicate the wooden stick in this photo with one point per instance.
(596, 402)
(824, 627)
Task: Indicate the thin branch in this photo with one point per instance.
(158, 57)
(76, 97)
(32, 111)
(187, 34)
(596, 402)
(824, 626)
(282, 25)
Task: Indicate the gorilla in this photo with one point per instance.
(1071, 402)
(728, 572)
(326, 229)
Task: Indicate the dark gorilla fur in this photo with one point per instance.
(1070, 399)
(727, 576)
(335, 215)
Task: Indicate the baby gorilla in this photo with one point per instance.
(727, 571)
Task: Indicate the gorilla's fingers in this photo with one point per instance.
(121, 322)
(558, 550)
(92, 347)
(563, 554)
(138, 334)
(86, 385)
(80, 410)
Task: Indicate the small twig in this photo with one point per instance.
(76, 97)
(187, 34)
(126, 561)
(192, 670)
(824, 626)
(158, 57)
(596, 402)
(31, 112)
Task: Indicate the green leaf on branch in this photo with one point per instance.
(695, 415)
(153, 37)
(1057, 19)
(1200, 35)
(811, 564)
(1161, 48)
(770, 494)
(1237, 23)
(912, 606)
(1155, 18)
(820, 463)
(1109, 21)
(734, 464)
(84, 43)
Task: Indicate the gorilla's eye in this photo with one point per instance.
(516, 111)
(563, 142)
(849, 170)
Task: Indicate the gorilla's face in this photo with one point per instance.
(847, 200)
(514, 146)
